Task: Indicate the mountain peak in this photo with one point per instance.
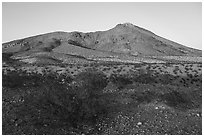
(131, 27)
(127, 24)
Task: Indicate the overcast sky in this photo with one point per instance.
(180, 22)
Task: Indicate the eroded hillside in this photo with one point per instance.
(123, 43)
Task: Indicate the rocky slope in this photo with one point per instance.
(125, 42)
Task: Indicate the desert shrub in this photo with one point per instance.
(48, 49)
(177, 100)
(120, 80)
(58, 105)
(18, 79)
(65, 78)
(57, 42)
(7, 58)
(89, 101)
(144, 78)
(165, 78)
(144, 97)
(45, 106)
(92, 80)
(39, 43)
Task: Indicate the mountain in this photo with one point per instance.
(125, 42)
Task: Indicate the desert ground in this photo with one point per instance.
(123, 99)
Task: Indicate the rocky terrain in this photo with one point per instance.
(123, 43)
(126, 80)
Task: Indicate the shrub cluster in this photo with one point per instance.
(59, 105)
(18, 79)
(120, 81)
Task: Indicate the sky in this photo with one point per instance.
(179, 22)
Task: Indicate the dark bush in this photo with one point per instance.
(18, 79)
(165, 78)
(58, 105)
(57, 42)
(177, 100)
(7, 58)
(144, 78)
(120, 80)
(92, 80)
(144, 97)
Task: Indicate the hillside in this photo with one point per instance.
(123, 43)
